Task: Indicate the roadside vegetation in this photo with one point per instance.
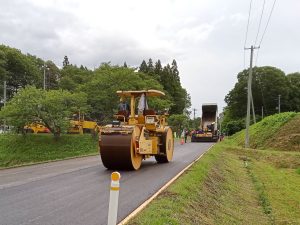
(38, 91)
(16, 150)
(268, 83)
(234, 185)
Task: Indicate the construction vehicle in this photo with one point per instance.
(36, 127)
(209, 124)
(132, 136)
(80, 124)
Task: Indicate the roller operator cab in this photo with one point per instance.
(208, 130)
(136, 134)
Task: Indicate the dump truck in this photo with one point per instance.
(136, 134)
(208, 130)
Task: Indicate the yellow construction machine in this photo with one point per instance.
(36, 127)
(133, 136)
(79, 125)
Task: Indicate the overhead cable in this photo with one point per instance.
(246, 36)
(261, 16)
(262, 37)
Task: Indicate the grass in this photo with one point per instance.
(266, 129)
(169, 207)
(18, 150)
(233, 185)
(204, 195)
(277, 183)
(282, 187)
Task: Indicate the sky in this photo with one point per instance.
(206, 38)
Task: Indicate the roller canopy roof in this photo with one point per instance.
(150, 93)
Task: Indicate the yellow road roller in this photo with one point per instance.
(136, 133)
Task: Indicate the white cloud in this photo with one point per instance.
(205, 37)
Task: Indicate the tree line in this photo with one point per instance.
(73, 88)
(267, 85)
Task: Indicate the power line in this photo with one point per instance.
(246, 36)
(261, 15)
(267, 22)
(262, 37)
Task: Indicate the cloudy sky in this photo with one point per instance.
(205, 37)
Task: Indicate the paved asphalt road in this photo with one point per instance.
(76, 191)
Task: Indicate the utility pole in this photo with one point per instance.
(220, 121)
(262, 112)
(253, 110)
(44, 75)
(194, 112)
(279, 103)
(249, 96)
(4, 103)
(194, 117)
(4, 93)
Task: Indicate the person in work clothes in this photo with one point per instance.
(186, 133)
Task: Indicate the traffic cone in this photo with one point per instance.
(182, 141)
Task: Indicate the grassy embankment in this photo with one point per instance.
(33, 148)
(233, 185)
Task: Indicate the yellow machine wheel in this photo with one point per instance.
(118, 151)
(167, 147)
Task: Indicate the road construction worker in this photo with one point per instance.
(143, 105)
(186, 133)
(123, 106)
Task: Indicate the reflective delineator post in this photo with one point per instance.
(114, 198)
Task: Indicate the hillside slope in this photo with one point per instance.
(279, 131)
(288, 136)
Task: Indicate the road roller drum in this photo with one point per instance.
(118, 151)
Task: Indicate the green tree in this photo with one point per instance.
(66, 62)
(151, 70)
(233, 126)
(72, 77)
(53, 75)
(171, 82)
(150, 66)
(143, 67)
(174, 71)
(178, 122)
(294, 91)
(20, 110)
(3, 73)
(57, 107)
(194, 123)
(268, 82)
(53, 108)
(20, 69)
(169, 78)
(158, 70)
(101, 90)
